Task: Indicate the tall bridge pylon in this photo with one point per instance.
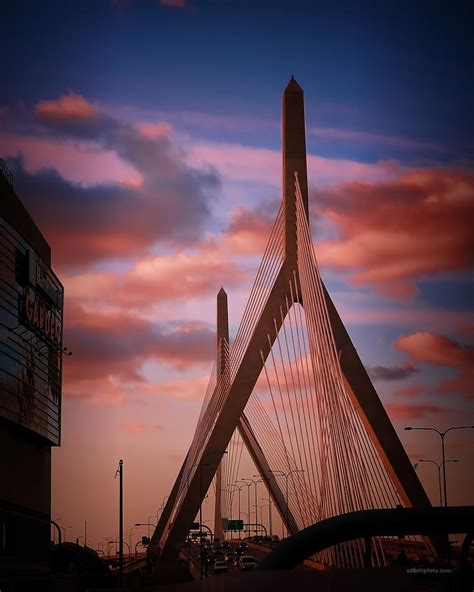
(319, 427)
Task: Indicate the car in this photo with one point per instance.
(243, 546)
(220, 567)
(226, 546)
(247, 562)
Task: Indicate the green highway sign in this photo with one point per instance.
(234, 525)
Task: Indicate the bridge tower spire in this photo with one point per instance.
(293, 160)
(222, 362)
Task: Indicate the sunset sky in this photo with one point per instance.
(144, 138)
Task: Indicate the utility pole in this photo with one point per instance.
(120, 473)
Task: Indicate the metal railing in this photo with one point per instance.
(6, 171)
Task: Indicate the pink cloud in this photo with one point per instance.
(184, 388)
(137, 427)
(432, 348)
(237, 163)
(425, 346)
(411, 391)
(247, 232)
(406, 411)
(154, 130)
(98, 390)
(182, 274)
(67, 107)
(118, 342)
(392, 233)
(84, 162)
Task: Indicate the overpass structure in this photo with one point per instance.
(294, 389)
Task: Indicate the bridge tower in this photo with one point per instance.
(295, 281)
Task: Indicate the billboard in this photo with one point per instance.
(31, 319)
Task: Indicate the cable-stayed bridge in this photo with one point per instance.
(292, 388)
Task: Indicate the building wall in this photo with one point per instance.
(25, 501)
(31, 309)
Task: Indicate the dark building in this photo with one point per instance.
(31, 318)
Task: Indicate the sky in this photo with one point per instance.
(144, 138)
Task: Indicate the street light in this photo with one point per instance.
(58, 527)
(148, 520)
(443, 463)
(130, 539)
(146, 524)
(64, 528)
(248, 503)
(239, 490)
(286, 475)
(438, 466)
(255, 482)
(269, 500)
(257, 506)
(199, 465)
(117, 541)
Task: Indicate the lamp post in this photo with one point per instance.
(64, 528)
(287, 475)
(148, 520)
(230, 500)
(117, 541)
(248, 503)
(255, 482)
(146, 524)
(438, 466)
(58, 528)
(130, 539)
(257, 507)
(239, 490)
(269, 500)
(119, 472)
(200, 501)
(443, 463)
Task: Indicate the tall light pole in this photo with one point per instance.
(64, 528)
(148, 521)
(257, 507)
(248, 503)
(58, 527)
(146, 524)
(130, 538)
(119, 471)
(438, 466)
(239, 490)
(442, 435)
(200, 501)
(287, 475)
(269, 500)
(116, 541)
(255, 482)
